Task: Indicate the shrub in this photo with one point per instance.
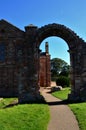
(63, 81)
(53, 78)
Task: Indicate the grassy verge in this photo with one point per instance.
(24, 117)
(79, 109)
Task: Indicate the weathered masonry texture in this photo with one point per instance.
(20, 57)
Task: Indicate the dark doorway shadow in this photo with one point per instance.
(64, 102)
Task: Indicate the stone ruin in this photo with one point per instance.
(20, 58)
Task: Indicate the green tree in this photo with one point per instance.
(59, 67)
(65, 71)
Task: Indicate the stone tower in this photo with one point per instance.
(45, 73)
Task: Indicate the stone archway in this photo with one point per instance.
(77, 50)
(75, 45)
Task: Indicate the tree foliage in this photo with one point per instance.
(59, 67)
(65, 71)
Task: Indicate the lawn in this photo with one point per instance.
(79, 109)
(62, 94)
(23, 117)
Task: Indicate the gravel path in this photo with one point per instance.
(62, 118)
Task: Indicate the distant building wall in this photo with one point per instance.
(45, 72)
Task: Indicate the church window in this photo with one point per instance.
(2, 52)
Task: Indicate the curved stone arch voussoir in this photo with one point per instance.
(58, 30)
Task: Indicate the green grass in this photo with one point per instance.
(62, 94)
(79, 109)
(6, 101)
(24, 117)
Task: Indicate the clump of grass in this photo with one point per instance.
(6, 101)
(24, 116)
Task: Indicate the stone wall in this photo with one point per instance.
(11, 40)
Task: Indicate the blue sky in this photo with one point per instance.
(71, 13)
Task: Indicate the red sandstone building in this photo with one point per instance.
(45, 73)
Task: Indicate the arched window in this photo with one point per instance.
(2, 52)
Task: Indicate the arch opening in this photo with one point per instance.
(57, 49)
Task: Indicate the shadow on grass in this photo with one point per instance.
(63, 102)
(42, 101)
(15, 103)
